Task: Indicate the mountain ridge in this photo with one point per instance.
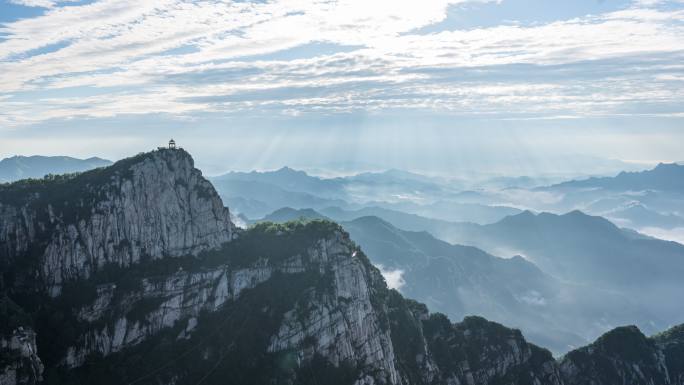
(665, 176)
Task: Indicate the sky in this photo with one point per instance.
(502, 86)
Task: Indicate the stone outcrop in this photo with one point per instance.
(151, 206)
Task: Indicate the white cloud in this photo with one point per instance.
(113, 43)
(532, 297)
(41, 3)
(394, 278)
(675, 235)
(34, 3)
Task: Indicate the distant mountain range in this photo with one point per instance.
(665, 177)
(464, 280)
(577, 247)
(651, 198)
(255, 194)
(255, 198)
(22, 167)
(289, 179)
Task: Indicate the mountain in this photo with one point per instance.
(625, 356)
(579, 248)
(135, 274)
(289, 179)
(255, 194)
(590, 251)
(646, 201)
(403, 220)
(411, 216)
(22, 167)
(665, 177)
(460, 281)
(288, 214)
(347, 187)
(71, 225)
(400, 219)
(256, 199)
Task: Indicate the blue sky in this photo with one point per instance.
(516, 85)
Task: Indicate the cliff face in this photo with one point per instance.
(336, 321)
(150, 206)
(290, 304)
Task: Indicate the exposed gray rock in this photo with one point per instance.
(151, 206)
(19, 362)
(341, 323)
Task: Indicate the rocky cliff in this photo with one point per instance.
(134, 274)
(150, 206)
(293, 304)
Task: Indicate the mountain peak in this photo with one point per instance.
(289, 171)
(149, 206)
(526, 216)
(578, 214)
(668, 167)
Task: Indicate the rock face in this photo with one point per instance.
(19, 362)
(339, 322)
(625, 356)
(291, 302)
(151, 206)
(135, 274)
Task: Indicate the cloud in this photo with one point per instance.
(394, 278)
(42, 3)
(675, 235)
(34, 3)
(181, 57)
(532, 297)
